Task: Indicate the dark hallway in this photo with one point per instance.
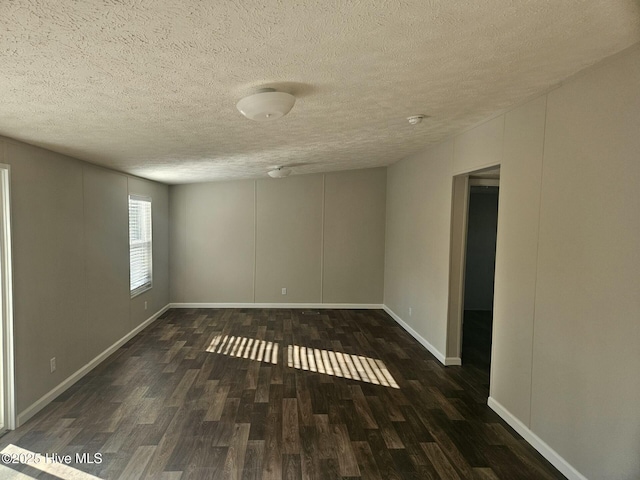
(479, 280)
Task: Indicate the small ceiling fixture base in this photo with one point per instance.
(279, 172)
(266, 104)
(416, 119)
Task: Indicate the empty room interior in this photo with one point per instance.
(320, 240)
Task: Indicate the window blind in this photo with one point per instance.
(140, 244)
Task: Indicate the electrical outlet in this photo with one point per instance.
(409, 311)
(52, 364)
(145, 304)
(284, 290)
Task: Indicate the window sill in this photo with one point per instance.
(140, 290)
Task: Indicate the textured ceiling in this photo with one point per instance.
(149, 87)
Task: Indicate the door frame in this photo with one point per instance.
(462, 184)
(7, 372)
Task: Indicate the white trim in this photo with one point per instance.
(453, 361)
(455, 305)
(145, 287)
(536, 442)
(6, 279)
(324, 199)
(142, 198)
(486, 166)
(43, 401)
(255, 236)
(483, 182)
(354, 306)
(433, 350)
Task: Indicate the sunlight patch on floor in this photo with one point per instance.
(243, 347)
(329, 362)
(10, 474)
(40, 462)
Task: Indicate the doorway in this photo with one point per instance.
(479, 274)
(472, 269)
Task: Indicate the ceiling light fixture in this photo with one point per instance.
(266, 105)
(279, 172)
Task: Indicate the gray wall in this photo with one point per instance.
(566, 309)
(289, 240)
(417, 241)
(320, 236)
(71, 263)
(481, 248)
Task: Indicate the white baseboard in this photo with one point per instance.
(536, 442)
(48, 397)
(359, 306)
(453, 361)
(433, 350)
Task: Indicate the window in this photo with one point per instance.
(139, 244)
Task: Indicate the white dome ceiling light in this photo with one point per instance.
(266, 105)
(279, 172)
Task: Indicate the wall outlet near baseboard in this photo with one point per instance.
(52, 364)
(284, 290)
(145, 304)
(409, 311)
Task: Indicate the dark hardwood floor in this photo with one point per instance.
(185, 400)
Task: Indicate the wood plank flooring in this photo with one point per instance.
(163, 407)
